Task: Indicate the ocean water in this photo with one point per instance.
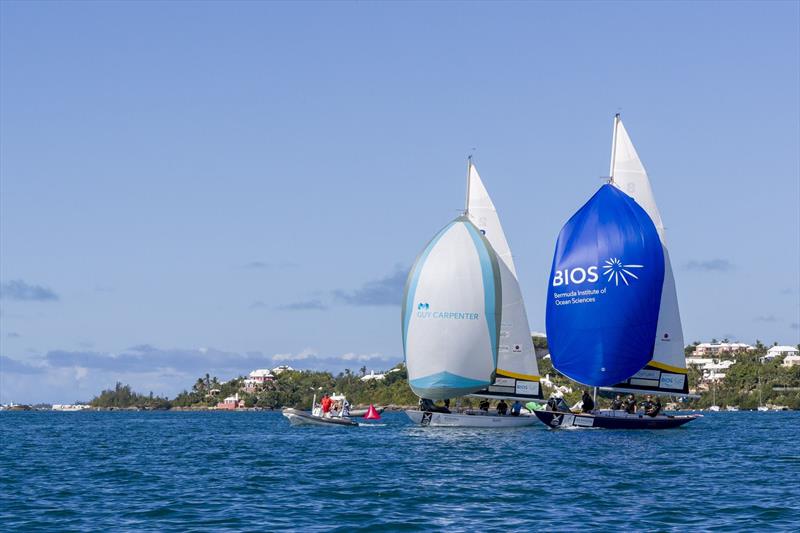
(251, 471)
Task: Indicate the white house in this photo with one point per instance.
(373, 375)
(261, 375)
(699, 361)
(379, 376)
(282, 368)
(791, 360)
(715, 371)
(717, 348)
(256, 378)
(780, 351)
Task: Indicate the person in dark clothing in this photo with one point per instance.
(557, 403)
(427, 405)
(647, 405)
(629, 405)
(616, 403)
(653, 407)
(588, 403)
(502, 408)
(447, 404)
(484, 405)
(552, 404)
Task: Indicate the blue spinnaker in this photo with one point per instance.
(605, 290)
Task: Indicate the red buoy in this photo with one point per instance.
(372, 414)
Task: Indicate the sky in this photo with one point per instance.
(216, 187)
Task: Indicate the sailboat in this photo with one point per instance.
(612, 310)
(761, 406)
(714, 406)
(464, 324)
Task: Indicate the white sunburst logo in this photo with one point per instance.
(616, 270)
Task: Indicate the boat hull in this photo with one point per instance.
(297, 417)
(427, 418)
(611, 420)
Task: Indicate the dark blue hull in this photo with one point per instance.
(612, 420)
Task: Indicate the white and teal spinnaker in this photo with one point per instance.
(451, 314)
(517, 373)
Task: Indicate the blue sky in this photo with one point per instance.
(191, 187)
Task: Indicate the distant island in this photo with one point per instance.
(265, 389)
(751, 377)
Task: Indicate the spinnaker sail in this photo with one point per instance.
(451, 314)
(605, 290)
(517, 374)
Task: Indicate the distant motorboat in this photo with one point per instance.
(68, 407)
(732, 408)
(304, 418)
(714, 408)
(763, 408)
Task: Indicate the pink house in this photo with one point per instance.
(231, 403)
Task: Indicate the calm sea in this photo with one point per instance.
(253, 472)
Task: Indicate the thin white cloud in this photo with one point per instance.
(308, 353)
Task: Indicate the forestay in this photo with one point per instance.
(451, 314)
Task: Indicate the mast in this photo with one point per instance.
(469, 168)
(613, 148)
(759, 388)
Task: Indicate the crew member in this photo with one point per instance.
(502, 408)
(616, 403)
(484, 405)
(516, 408)
(629, 405)
(652, 408)
(588, 403)
(326, 405)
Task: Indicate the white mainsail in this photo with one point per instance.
(451, 314)
(667, 370)
(517, 371)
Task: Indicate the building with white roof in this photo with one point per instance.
(261, 375)
(257, 378)
(780, 351)
(791, 360)
(698, 361)
(718, 348)
(715, 371)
